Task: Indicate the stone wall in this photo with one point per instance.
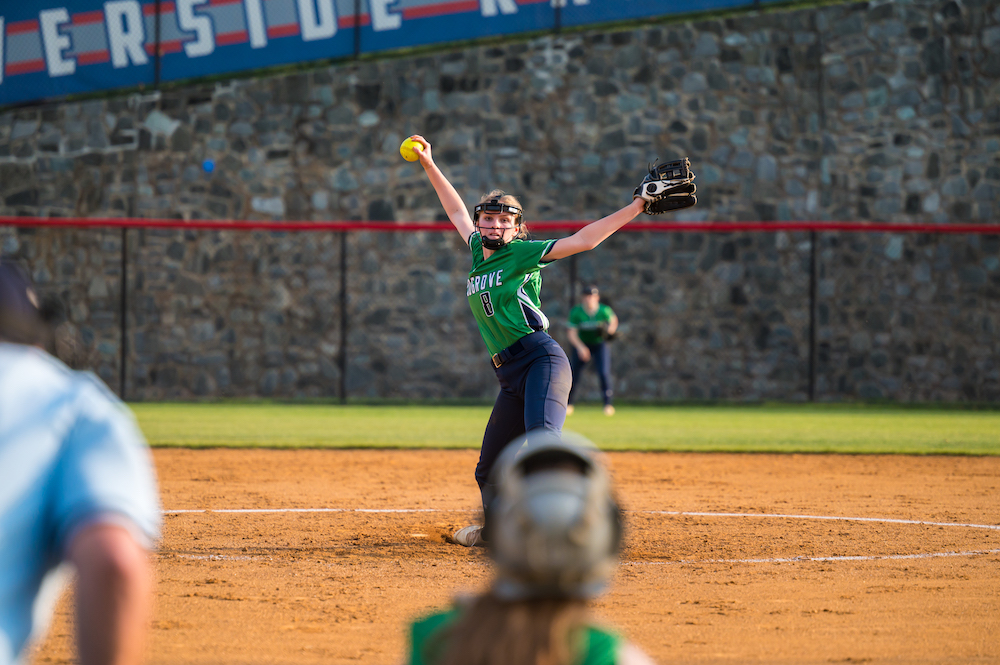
(884, 112)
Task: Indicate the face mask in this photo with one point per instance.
(495, 206)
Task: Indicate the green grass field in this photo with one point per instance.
(779, 428)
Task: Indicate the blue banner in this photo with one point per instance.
(53, 48)
(576, 14)
(64, 47)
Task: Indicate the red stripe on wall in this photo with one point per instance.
(566, 225)
(18, 27)
(287, 30)
(25, 67)
(85, 18)
(446, 8)
(227, 38)
(93, 57)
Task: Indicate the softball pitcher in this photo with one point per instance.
(503, 291)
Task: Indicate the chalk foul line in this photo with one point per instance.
(882, 520)
(691, 562)
(800, 559)
(312, 510)
(797, 559)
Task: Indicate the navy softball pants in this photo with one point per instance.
(534, 389)
(600, 355)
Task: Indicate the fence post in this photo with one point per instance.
(812, 315)
(342, 359)
(821, 101)
(572, 283)
(123, 318)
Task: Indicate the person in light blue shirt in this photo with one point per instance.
(77, 492)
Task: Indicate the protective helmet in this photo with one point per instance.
(555, 529)
(20, 320)
(495, 205)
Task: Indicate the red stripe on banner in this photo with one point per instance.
(165, 8)
(566, 225)
(25, 67)
(18, 27)
(348, 21)
(86, 18)
(216, 3)
(93, 57)
(458, 7)
(227, 38)
(172, 46)
(287, 30)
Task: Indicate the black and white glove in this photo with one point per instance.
(667, 187)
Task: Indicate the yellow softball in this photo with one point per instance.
(408, 149)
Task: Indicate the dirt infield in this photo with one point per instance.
(728, 559)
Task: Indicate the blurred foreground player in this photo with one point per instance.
(77, 487)
(555, 532)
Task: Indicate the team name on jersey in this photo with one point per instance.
(480, 282)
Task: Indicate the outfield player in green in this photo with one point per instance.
(503, 291)
(591, 325)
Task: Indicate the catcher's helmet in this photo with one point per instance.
(555, 529)
(20, 321)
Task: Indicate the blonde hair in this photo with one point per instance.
(511, 200)
(491, 631)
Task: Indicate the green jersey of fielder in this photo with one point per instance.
(507, 309)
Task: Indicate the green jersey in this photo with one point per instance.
(589, 326)
(504, 289)
(597, 645)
